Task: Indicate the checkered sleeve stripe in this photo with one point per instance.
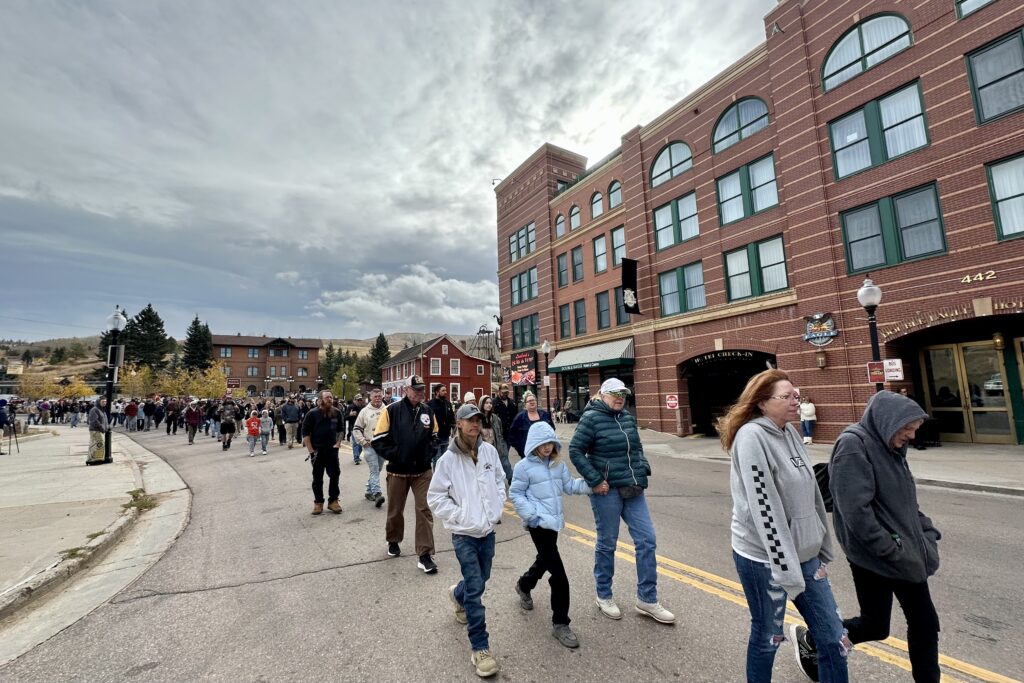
(768, 519)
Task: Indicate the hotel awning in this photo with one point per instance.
(618, 352)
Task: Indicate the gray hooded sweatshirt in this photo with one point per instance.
(875, 512)
(778, 515)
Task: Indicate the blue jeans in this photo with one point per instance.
(475, 556)
(441, 448)
(807, 427)
(357, 449)
(372, 464)
(264, 440)
(608, 509)
(767, 604)
(215, 428)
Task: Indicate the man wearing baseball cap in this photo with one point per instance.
(406, 436)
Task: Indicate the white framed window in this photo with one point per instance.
(435, 366)
(454, 366)
(479, 369)
(455, 391)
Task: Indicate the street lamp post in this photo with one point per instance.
(115, 323)
(546, 349)
(319, 383)
(290, 380)
(344, 386)
(869, 296)
(266, 387)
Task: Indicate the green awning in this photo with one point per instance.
(618, 352)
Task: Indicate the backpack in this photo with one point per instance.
(821, 474)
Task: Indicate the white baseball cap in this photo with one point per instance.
(613, 384)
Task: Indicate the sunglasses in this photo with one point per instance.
(617, 394)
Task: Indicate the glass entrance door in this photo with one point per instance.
(966, 392)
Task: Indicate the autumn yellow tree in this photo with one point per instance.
(137, 381)
(76, 389)
(35, 385)
(209, 383)
(173, 382)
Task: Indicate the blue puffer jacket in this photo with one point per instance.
(538, 483)
(606, 446)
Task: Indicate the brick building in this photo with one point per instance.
(441, 360)
(881, 139)
(277, 365)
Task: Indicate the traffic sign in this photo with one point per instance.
(671, 401)
(893, 370)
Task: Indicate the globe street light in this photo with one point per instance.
(115, 356)
(290, 380)
(869, 296)
(546, 349)
(266, 387)
(344, 386)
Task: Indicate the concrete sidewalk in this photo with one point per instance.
(58, 515)
(978, 467)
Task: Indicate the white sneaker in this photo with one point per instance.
(609, 608)
(263, 453)
(655, 611)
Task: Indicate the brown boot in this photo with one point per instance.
(335, 507)
(318, 508)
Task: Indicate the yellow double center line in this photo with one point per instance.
(732, 591)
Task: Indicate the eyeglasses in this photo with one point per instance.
(616, 394)
(788, 397)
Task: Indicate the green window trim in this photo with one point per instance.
(564, 322)
(563, 269)
(686, 203)
(875, 132)
(522, 243)
(973, 6)
(865, 59)
(1017, 197)
(524, 286)
(600, 245)
(733, 116)
(972, 76)
(604, 312)
(621, 314)
(673, 160)
(618, 245)
(526, 331)
(577, 263)
(890, 231)
(614, 194)
(755, 270)
(579, 312)
(683, 293)
(746, 191)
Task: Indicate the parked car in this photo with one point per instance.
(994, 383)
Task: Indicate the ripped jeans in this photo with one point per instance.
(767, 603)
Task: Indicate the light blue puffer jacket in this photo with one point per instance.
(538, 483)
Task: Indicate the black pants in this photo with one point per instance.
(548, 560)
(281, 433)
(172, 423)
(874, 594)
(326, 459)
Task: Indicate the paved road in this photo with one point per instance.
(256, 589)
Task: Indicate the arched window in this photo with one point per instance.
(574, 218)
(614, 194)
(670, 162)
(596, 205)
(868, 43)
(739, 122)
(559, 226)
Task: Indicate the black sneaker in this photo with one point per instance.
(394, 550)
(379, 500)
(806, 653)
(368, 496)
(427, 565)
(525, 601)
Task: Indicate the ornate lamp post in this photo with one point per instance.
(266, 387)
(869, 296)
(115, 356)
(319, 383)
(290, 380)
(546, 349)
(344, 386)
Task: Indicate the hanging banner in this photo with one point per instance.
(629, 298)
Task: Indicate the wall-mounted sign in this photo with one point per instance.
(820, 329)
(716, 356)
(893, 369)
(522, 368)
(234, 382)
(876, 372)
(671, 401)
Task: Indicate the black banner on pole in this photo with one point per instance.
(629, 297)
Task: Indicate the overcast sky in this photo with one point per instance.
(307, 168)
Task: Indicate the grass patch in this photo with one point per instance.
(95, 534)
(140, 500)
(70, 553)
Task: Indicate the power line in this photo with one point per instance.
(49, 322)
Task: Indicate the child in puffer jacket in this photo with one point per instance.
(538, 482)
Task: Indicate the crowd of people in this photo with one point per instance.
(455, 460)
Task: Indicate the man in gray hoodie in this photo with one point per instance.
(891, 545)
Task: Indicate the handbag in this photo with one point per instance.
(627, 492)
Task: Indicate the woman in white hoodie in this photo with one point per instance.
(780, 536)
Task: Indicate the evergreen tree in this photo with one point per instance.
(26, 357)
(77, 351)
(329, 368)
(147, 337)
(198, 347)
(379, 354)
(59, 355)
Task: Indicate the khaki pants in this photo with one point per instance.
(398, 486)
(289, 432)
(96, 446)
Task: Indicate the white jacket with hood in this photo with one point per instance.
(778, 514)
(468, 496)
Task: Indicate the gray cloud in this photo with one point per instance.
(282, 168)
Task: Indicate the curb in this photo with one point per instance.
(966, 486)
(45, 581)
